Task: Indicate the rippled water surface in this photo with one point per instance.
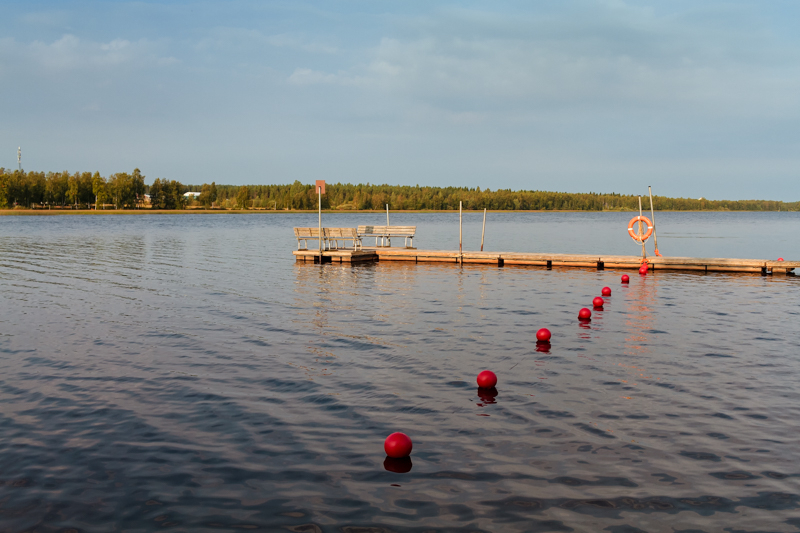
(184, 373)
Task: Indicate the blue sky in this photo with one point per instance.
(693, 98)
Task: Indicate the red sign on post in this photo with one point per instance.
(321, 186)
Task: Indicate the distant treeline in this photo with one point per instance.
(123, 190)
(61, 189)
(403, 197)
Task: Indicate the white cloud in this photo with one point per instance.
(307, 76)
(616, 57)
(245, 39)
(70, 53)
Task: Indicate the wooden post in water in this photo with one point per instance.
(641, 233)
(460, 252)
(483, 231)
(320, 190)
(653, 214)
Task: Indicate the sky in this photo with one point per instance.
(693, 98)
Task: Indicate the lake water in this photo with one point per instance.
(184, 373)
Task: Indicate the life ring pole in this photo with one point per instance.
(641, 233)
(653, 214)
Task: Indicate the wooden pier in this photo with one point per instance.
(760, 266)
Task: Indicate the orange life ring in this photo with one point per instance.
(635, 236)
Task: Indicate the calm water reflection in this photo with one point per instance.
(184, 373)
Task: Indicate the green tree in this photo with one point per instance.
(243, 197)
(137, 187)
(100, 190)
(177, 199)
(85, 194)
(73, 189)
(55, 189)
(208, 194)
(165, 194)
(156, 194)
(3, 189)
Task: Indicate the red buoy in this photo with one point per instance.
(625, 278)
(543, 335)
(598, 302)
(643, 270)
(780, 259)
(584, 314)
(487, 379)
(606, 291)
(397, 445)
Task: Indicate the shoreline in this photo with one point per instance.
(128, 212)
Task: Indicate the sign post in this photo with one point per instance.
(320, 192)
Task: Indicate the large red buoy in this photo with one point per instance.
(543, 335)
(598, 302)
(584, 314)
(626, 278)
(643, 270)
(397, 445)
(487, 379)
(606, 291)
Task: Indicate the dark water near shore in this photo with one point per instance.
(183, 373)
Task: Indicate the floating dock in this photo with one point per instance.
(761, 266)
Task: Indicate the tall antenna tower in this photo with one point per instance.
(19, 157)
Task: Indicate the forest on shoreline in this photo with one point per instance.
(86, 190)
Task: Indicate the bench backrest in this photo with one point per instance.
(306, 232)
(342, 233)
(388, 230)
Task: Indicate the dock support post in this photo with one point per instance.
(460, 252)
(483, 231)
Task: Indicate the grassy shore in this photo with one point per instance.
(67, 212)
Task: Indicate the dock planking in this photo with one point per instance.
(761, 266)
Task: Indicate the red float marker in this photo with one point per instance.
(543, 335)
(584, 314)
(643, 270)
(487, 379)
(626, 278)
(780, 259)
(598, 302)
(397, 445)
(606, 291)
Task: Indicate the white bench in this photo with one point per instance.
(335, 235)
(305, 235)
(331, 237)
(385, 234)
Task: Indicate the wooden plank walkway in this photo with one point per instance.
(761, 266)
